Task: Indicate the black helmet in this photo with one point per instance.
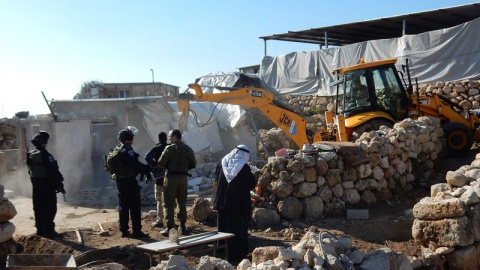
(127, 133)
(40, 138)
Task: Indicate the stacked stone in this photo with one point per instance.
(314, 251)
(7, 134)
(7, 212)
(393, 151)
(465, 93)
(308, 104)
(448, 222)
(310, 185)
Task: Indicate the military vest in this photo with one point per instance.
(36, 168)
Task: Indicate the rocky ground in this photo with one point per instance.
(389, 225)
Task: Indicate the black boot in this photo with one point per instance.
(166, 231)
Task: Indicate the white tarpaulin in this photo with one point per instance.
(202, 137)
(442, 55)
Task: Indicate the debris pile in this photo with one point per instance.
(314, 251)
(7, 134)
(311, 184)
(7, 212)
(448, 222)
(465, 93)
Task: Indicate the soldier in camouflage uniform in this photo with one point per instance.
(177, 159)
(128, 189)
(46, 182)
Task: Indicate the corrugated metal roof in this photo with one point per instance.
(383, 28)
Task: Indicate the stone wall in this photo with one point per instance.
(7, 212)
(465, 93)
(448, 222)
(8, 134)
(310, 185)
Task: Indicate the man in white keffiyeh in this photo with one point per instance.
(232, 200)
(234, 161)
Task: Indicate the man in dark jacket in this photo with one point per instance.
(46, 182)
(127, 185)
(232, 200)
(152, 158)
(177, 159)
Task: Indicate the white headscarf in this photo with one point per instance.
(234, 161)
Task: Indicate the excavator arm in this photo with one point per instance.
(290, 122)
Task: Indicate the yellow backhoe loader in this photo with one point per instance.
(368, 95)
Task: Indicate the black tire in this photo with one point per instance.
(459, 138)
(372, 124)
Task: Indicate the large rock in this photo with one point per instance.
(429, 208)
(322, 166)
(332, 177)
(448, 232)
(385, 259)
(351, 196)
(295, 166)
(265, 218)
(304, 189)
(281, 189)
(312, 207)
(201, 209)
(463, 258)
(310, 175)
(262, 254)
(6, 231)
(474, 215)
(212, 263)
(457, 179)
(290, 208)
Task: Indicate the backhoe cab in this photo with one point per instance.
(372, 94)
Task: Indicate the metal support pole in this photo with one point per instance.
(326, 39)
(153, 79)
(264, 47)
(404, 28)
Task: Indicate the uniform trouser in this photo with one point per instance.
(129, 204)
(175, 188)
(44, 199)
(159, 199)
(234, 222)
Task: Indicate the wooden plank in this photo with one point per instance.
(189, 241)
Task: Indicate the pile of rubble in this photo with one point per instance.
(309, 185)
(314, 251)
(448, 222)
(8, 134)
(464, 93)
(7, 212)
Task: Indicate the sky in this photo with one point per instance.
(55, 45)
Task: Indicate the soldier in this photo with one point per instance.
(177, 159)
(127, 185)
(46, 182)
(152, 158)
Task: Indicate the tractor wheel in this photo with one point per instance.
(372, 124)
(459, 138)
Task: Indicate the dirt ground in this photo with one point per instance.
(389, 225)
